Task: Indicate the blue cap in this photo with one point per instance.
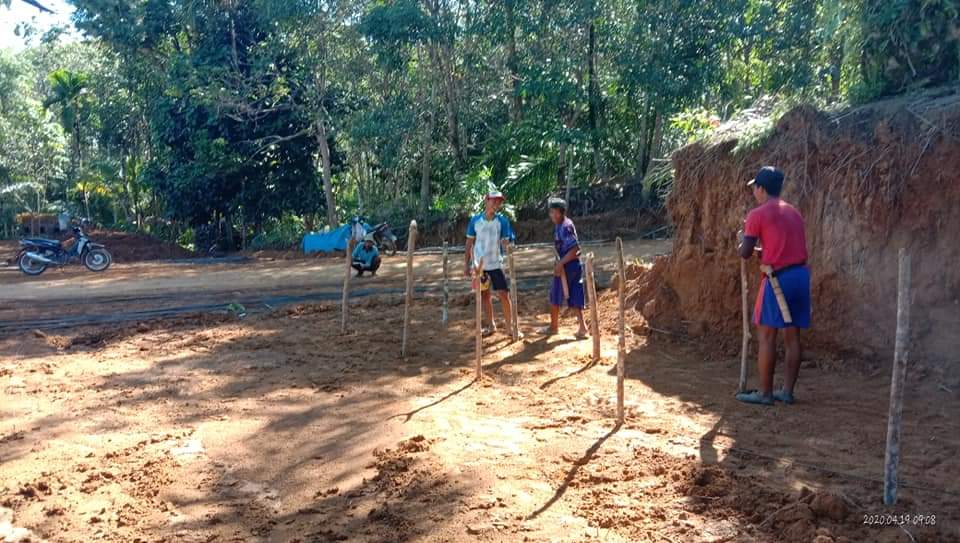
(769, 178)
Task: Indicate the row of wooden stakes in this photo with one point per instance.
(515, 330)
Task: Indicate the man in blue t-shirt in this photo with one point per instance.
(487, 235)
(366, 256)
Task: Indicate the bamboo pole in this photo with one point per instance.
(411, 247)
(745, 344)
(445, 315)
(594, 310)
(514, 298)
(478, 352)
(901, 351)
(345, 300)
(622, 345)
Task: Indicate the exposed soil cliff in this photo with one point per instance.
(868, 181)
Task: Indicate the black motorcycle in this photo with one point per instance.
(37, 254)
(385, 239)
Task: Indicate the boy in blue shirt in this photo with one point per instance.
(567, 268)
(366, 257)
(487, 235)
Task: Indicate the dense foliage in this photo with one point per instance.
(245, 115)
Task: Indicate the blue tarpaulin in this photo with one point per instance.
(328, 242)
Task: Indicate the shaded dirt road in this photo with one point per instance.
(146, 290)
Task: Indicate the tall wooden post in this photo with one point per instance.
(445, 315)
(594, 311)
(478, 285)
(745, 344)
(345, 300)
(901, 350)
(514, 298)
(411, 247)
(622, 345)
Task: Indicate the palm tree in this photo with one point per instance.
(68, 91)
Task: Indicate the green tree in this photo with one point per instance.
(68, 94)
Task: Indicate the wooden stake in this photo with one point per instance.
(622, 345)
(901, 350)
(594, 311)
(477, 274)
(345, 300)
(514, 310)
(563, 280)
(411, 247)
(745, 344)
(445, 315)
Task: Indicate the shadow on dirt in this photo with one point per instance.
(813, 468)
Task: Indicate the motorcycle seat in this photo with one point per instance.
(51, 243)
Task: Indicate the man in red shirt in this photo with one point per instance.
(775, 228)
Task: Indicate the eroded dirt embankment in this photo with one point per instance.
(868, 181)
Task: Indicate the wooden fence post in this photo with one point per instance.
(478, 352)
(745, 344)
(622, 345)
(594, 310)
(901, 350)
(411, 247)
(514, 298)
(345, 300)
(445, 315)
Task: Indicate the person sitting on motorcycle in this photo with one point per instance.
(366, 257)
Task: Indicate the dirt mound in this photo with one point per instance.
(869, 181)
(127, 247)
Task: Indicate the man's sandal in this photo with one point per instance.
(784, 396)
(754, 397)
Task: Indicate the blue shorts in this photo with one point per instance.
(574, 271)
(795, 284)
(497, 279)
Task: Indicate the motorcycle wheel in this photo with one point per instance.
(389, 247)
(30, 266)
(97, 260)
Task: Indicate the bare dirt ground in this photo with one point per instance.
(278, 427)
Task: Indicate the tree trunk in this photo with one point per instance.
(425, 166)
(79, 169)
(656, 143)
(443, 68)
(332, 220)
(453, 122)
(562, 166)
(836, 62)
(516, 111)
(593, 90)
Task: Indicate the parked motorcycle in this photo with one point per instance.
(385, 239)
(37, 254)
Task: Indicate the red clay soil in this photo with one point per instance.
(127, 247)
(869, 181)
(278, 427)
